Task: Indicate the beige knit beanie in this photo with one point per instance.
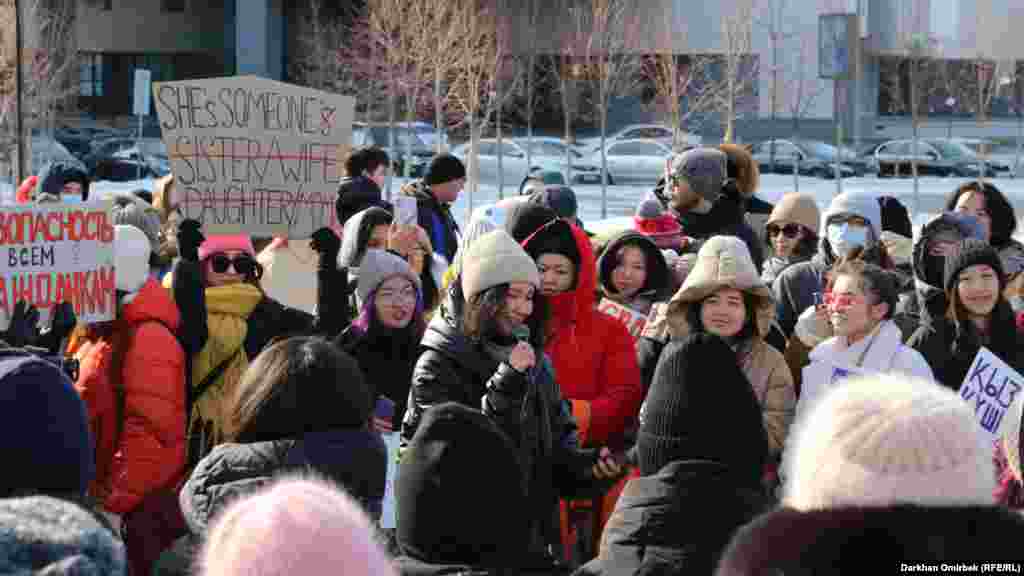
(885, 439)
(495, 259)
(799, 208)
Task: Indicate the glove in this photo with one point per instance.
(327, 244)
(24, 327)
(190, 237)
(62, 322)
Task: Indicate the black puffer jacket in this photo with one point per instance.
(355, 459)
(386, 359)
(355, 195)
(726, 218)
(950, 349)
(653, 531)
(436, 218)
(451, 368)
(873, 540)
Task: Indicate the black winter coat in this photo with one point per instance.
(355, 195)
(355, 459)
(675, 522)
(950, 351)
(386, 361)
(436, 218)
(872, 540)
(451, 368)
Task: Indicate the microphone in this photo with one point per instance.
(522, 334)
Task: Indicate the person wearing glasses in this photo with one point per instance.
(858, 301)
(226, 321)
(792, 234)
(385, 337)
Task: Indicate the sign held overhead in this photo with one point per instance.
(255, 156)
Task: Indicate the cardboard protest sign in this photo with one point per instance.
(633, 320)
(387, 517)
(53, 253)
(991, 388)
(255, 156)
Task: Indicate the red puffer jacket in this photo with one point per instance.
(593, 355)
(150, 453)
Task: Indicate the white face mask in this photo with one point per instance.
(844, 238)
(71, 198)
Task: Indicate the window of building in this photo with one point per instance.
(172, 5)
(90, 75)
(108, 4)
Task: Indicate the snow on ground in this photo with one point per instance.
(622, 200)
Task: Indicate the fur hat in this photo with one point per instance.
(134, 211)
(884, 440)
(496, 259)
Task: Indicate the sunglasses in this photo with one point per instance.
(789, 230)
(833, 300)
(243, 265)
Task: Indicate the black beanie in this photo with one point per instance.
(972, 252)
(690, 414)
(525, 218)
(444, 168)
(895, 217)
(555, 237)
(459, 493)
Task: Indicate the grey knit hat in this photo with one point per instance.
(130, 210)
(377, 267)
(704, 169)
(45, 535)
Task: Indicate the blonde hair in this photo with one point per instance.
(297, 525)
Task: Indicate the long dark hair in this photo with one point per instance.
(296, 386)
(1004, 221)
(806, 248)
(1001, 318)
(477, 315)
(746, 334)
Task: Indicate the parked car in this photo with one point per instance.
(812, 158)
(122, 170)
(405, 142)
(428, 134)
(634, 160)
(659, 132)
(78, 139)
(546, 155)
(46, 150)
(935, 157)
(995, 166)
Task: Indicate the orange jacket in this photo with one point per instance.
(150, 453)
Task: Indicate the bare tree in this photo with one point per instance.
(481, 57)
(49, 60)
(739, 66)
(611, 62)
(532, 34)
(569, 71)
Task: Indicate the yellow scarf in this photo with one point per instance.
(227, 312)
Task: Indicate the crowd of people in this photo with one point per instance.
(659, 400)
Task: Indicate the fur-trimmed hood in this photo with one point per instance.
(723, 262)
(872, 540)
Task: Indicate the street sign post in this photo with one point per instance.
(140, 104)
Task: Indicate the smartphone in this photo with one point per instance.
(405, 210)
(385, 409)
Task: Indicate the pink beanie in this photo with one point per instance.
(215, 244)
(294, 527)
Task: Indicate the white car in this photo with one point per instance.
(634, 160)
(427, 133)
(546, 155)
(659, 132)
